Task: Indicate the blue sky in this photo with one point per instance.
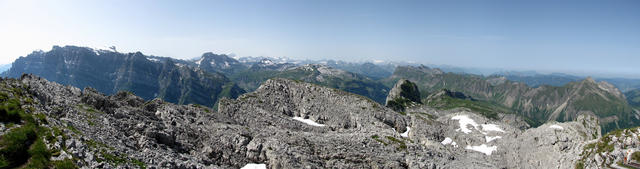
(568, 36)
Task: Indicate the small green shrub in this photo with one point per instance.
(377, 138)
(580, 165)
(64, 164)
(39, 155)
(401, 144)
(15, 145)
(635, 156)
(10, 111)
(73, 129)
(139, 163)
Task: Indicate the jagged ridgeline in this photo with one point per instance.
(316, 74)
(201, 81)
(110, 71)
(283, 124)
(540, 104)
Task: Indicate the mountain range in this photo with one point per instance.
(110, 72)
(65, 108)
(541, 104)
(207, 79)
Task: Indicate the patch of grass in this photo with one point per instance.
(88, 108)
(64, 164)
(96, 144)
(15, 144)
(579, 165)
(377, 138)
(487, 109)
(113, 159)
(73, 129)
(401, 144)
(399, 104)
(10, 111)
(139, 163)
(39, 155)
(91, 123)
(25, 146)
(29, 100)
(42, 118)
(635, 156)
(58, 132)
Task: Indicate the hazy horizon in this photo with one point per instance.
(594, 38)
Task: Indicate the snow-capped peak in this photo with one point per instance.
(267, 62)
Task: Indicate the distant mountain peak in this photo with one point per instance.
(421, 68)
(266, 61)
(218, 63)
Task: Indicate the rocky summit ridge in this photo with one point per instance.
(283, 124)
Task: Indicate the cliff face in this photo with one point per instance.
(283, 124)
(543, 103)
(110, 72)
(403, 94)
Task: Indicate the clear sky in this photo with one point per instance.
(579, 36)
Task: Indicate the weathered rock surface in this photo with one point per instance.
(290, 124)
(618, 149)
(403, 94)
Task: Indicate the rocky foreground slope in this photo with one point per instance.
(283, 124)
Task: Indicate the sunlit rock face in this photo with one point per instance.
(109, 72)
(285, 124)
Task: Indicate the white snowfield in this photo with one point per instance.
(556, 127)
(308, 121)
(446, 141)
(482, 148)
(406, 133)
(491, 127)
(464, 121)
(254, 166)
(490, 138)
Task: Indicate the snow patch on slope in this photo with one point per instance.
(308, 121)
(556, 127)
(482, 148)
(406, 133)
(464, 121)
(254, 166)
(491, 138)
(199, 61)
(449, 141)
(491, 127)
